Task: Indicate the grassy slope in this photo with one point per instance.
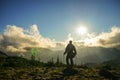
(16, 68)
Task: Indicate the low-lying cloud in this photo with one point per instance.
(105, 39)
(16, 39)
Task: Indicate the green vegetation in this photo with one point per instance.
(18, 68)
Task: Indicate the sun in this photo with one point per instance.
(82, 30)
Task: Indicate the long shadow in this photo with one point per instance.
(69, 71)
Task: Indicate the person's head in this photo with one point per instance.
(70, 42)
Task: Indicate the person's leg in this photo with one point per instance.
(67, 60)
(71, 60)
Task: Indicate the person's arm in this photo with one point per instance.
(66, 50)
(75, 50)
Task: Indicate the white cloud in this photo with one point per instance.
(69, 37)
(1, 38)
(105, 39)
(16, 38)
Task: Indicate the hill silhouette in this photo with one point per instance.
(2, 54)
(85, 54)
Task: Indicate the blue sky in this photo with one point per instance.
(57, 18)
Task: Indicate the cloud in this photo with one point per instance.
(16, 38)
(105, 39)
(1, 38)
(69, 37)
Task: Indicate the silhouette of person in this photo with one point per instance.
(71, 53)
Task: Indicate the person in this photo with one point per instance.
(71, 53)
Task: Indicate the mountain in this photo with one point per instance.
(96, 54)
(115, 63)
(84, 54)
(2, 54)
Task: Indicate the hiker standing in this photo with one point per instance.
(71, 53)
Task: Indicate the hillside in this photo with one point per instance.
(2, 54)
(17, 68)
(115, 63)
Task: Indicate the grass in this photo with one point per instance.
(16, 68)
(52, 73)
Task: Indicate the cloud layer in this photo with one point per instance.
(16, 39)
(104, 39)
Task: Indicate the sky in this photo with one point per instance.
(58, 18)
(27, 24)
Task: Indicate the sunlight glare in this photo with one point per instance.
(82, 30)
